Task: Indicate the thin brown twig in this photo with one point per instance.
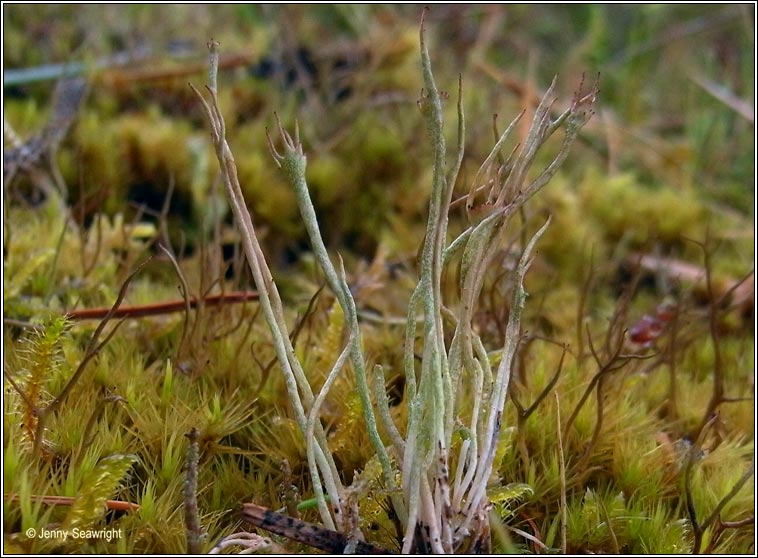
(161, 308)
(115, 505)
(294, 334)
(731, 494)
(524, 414)
(669, 358)
(237, 325)
(616, 362)
(738, 524)
(609, 521)
(550, 385)
(564, 502)
(717, 394)
(18, 389)
(87, 268)
(184, 293)
(620, 361)
(93, 348)
(87, 436)
(723, 526)
(587, 284)
(734, 286)
(697, 528)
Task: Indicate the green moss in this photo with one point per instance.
(627, 209)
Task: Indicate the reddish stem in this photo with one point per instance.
(117, 505)
(161, 307)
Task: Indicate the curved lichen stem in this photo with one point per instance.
(455, 387)
(502, 379)
(298, 388)
(313, 418)
(293, 163)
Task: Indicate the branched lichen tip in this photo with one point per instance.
(272, 149)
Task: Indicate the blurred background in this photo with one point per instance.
(675, 113)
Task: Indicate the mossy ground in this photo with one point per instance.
(662, 164)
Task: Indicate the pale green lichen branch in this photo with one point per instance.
(293, 163)
(298, 389)
(502, 380)
(430, 403)
(313, 418)
(436, 405)
(454, 391)
(383, 405)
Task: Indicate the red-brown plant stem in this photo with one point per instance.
(93, 348)
(157, 309)
(116, 505)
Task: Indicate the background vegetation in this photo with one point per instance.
(631, 454)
